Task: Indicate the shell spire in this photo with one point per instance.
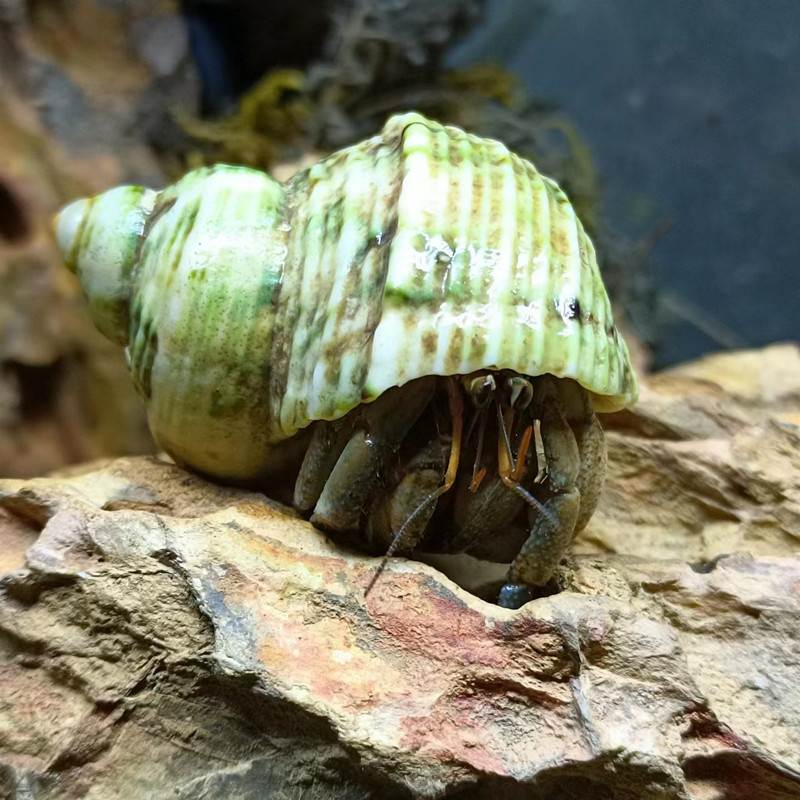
(99, 238)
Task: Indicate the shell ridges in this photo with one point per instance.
(488, 267)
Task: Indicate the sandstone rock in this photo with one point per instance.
(708, 463)
(161, 636)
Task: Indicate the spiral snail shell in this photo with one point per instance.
(250, 309)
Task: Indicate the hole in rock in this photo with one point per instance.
(38, 388)
(14, 223)
(704, 567)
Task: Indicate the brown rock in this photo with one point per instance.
(703, 467)
(167, 637)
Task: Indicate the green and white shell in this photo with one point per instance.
(250, 308)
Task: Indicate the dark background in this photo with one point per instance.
(692, 113)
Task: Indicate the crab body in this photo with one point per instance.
(335, 325)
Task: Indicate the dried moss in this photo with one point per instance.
(270, 118)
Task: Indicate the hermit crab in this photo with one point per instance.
(414, 331)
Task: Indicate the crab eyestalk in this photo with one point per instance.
(99, 238)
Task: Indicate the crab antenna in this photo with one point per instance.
(504, 443)
(395, 543)
(456, 412)
(478, 473)
(507, 472)
(522, 453)
(475, 417)
(481, 389)
(541, 457)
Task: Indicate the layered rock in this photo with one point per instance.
(161, 636)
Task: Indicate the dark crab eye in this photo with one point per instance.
(481, 390)
(520, 392)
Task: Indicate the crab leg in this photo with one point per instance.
(486, 515)
(490, 509)
(552, 529)
(488, 512)
(423, 475)
(359, 469)
(327, 442)
(399, 540)
(592, 472)
(589, 434)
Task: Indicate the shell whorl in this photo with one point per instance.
(254, 308)
(426, 250)
(99, 238)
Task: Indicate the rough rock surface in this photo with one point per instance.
(161, 636)
(716, 443)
